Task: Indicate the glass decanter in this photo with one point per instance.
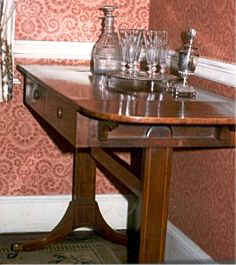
(106, 54)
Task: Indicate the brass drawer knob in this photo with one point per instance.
(59, 112)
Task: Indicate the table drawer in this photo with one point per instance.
(61, 115)
(35, 96)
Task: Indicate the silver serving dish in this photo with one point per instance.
(141, 82)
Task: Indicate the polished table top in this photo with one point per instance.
(76, 85)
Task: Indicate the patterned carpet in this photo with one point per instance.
(78, 248)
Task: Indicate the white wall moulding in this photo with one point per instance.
(42, 213)
(217, 71)
(213, 70)
(53, 49)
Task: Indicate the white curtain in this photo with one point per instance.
(7, 34)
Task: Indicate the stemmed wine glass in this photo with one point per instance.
(163, 52)
(133, 49)
(138, 54)
(123, 41)
(152, 44)
(163, 55)
(130, 44)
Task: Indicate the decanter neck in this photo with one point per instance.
(108, 18)
(109, 24)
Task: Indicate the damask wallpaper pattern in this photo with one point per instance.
(74, 20)
(214, 21)
(202, 199)
(30, 163)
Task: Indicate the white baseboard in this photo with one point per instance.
(42, 213)
(181, 250)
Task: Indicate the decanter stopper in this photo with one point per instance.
(108, 10)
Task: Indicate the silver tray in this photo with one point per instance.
(142, 76)
(141, 82)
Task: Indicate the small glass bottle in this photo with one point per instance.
(106, 54)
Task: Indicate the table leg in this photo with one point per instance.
(83, 210)
(87, 211)
(154, 201)
(133, 224)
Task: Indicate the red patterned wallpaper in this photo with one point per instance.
(74, 20)
(202, 200)
(202, 196)
(214, 21)
(30, 163)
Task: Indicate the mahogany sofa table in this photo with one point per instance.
(150, 125)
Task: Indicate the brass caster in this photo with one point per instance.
(17, 247)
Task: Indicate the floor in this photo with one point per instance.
(120, 251)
